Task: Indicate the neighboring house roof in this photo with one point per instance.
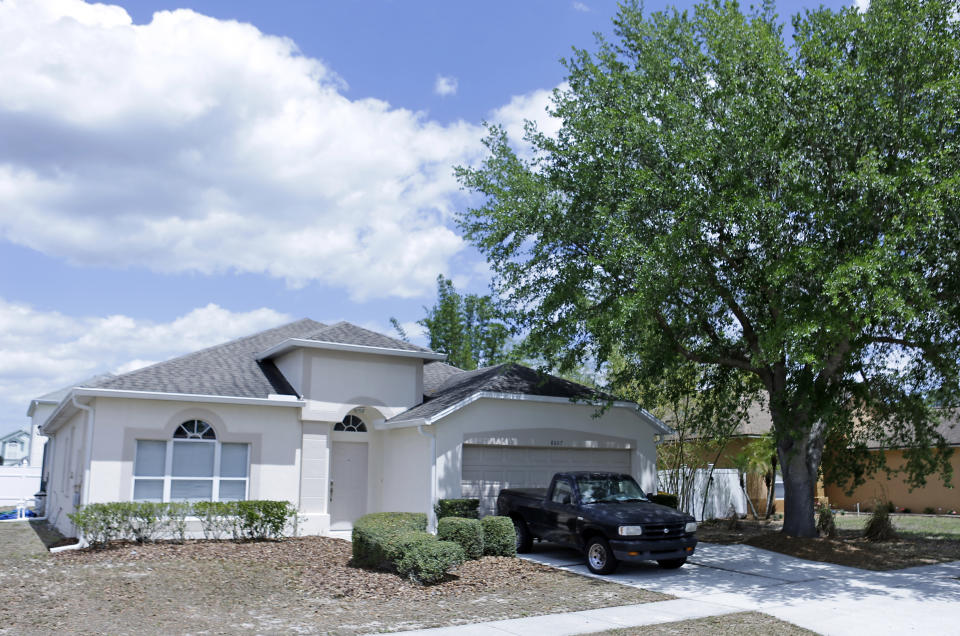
(21, 433)
(509, 379)
(228, 369)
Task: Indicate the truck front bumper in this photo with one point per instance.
(653, 550)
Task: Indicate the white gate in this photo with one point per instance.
(723, 494)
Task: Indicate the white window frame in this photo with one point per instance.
(168, 477)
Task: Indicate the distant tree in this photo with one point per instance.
(467, 327)
(786, 213)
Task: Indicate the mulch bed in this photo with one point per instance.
(848, 548)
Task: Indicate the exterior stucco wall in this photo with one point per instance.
(935, 494)
(65, 472)
(400, 469)
(541, 424)
(362, 378)
(293, 367)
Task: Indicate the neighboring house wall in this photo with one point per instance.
(15, 448)
(935, 494)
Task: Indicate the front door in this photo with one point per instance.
(348, 484)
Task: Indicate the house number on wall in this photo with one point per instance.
(556, 442)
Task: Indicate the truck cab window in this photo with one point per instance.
(562, 493)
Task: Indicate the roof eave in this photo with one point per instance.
(37, 402)
(295, 343)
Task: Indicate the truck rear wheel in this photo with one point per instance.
(600, 557)
(524, 538)
(671, 564)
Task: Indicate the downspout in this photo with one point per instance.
(431, 514)
(85, 490)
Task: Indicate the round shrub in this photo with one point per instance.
(375, 536)
(426, 560)
(499, 536)
(467, 533)
(664, 499)
(826, 525)
(879, 528)
(467, 508)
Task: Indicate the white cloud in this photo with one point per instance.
(445, 86)
(579, 6)
(42, 351)
(196, 144)
(529, 107)
(862, 5)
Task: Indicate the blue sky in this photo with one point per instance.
(175, 180)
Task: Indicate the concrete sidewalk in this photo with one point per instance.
(721, 579)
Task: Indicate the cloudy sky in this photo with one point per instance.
(177, 174)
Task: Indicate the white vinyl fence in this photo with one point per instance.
(723, 495)
(18, 484)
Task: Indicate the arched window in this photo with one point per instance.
(191, 466)
(352, 424)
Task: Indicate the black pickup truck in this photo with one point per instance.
(606, 515)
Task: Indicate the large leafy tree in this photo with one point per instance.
(467, 327)
(784, 216)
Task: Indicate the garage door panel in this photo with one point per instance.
(488, 469)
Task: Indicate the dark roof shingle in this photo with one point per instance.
(228, 369)
(348, 333)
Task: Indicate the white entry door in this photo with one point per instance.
(348, 484)
(488, 469)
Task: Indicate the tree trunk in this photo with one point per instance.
(771, 487)
(799, 448)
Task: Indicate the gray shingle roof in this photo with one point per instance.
(59, 394)
(348, 333)
(502, 378)
(435, 374)
(228, 369)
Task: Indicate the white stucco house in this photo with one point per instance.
(15, 448)
(338, 420)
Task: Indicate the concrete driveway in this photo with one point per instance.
(825, 598)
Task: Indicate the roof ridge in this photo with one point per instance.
(192, 354)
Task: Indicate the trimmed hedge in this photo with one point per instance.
(138, 521)
(375, 536)
(467, 533)
(499, 536)
(425, 559)
(664, 499)
(465, 508)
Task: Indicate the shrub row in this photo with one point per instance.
(466, 508)
(491, 536)
(101, 523)
(399, 541)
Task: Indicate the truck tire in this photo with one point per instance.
(524, 538)
(672, 564)
(600, 557)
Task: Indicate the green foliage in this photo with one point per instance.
(782, 217)
(175, 518)
(880, 528)
(499, 536)
(467, 533)
(467, 327)
(218, 519)
(826, 526)
(375, 536)
(425, 559)
(263, 519)
(399, 541)
(144, 520)
(467, 508)
(99, 523)
(664, 499)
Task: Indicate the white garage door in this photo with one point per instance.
(488, 469)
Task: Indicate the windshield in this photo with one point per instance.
(609, 489)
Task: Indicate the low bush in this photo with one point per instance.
(929, 510)
(425, 559)
(826, 525)
(467, 533)
(375, 536)
(218, 519)
(99, 523)
(144, 520)
(263, 519)
(466, 508)
(880, 528)
(499, 536)
(664, 499)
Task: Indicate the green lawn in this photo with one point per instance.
(915, 525)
